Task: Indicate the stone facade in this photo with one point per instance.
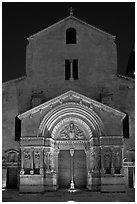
(97, 84)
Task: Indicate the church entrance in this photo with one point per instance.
(71, 147)
(72, 167)
(80, 170)
(64, 169)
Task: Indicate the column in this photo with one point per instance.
(72, 169)
(113, 159)
(71, 69)
(41, 162)
(56, 153)
(102, 161)
(89, 174)
(32, 170)
(22, 161)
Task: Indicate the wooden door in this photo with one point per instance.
(64, 169)
(80, 170)
(12, 179)
(130, 176)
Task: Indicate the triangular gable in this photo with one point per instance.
(72, 95)
(75, 19)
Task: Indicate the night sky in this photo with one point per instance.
(21, 20)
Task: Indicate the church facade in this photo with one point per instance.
(69, 123)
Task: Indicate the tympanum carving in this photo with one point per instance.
(71, 132)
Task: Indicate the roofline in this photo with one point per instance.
(126, 77)
(76, 94)
(13, 80)
(71, 17)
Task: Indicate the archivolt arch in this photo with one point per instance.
(74, 110)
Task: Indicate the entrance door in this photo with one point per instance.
(131, 177)
(80, 170)
(64, 169)
(12, 178)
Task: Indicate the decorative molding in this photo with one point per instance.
(108, 35)
(72, 94)
(71, 144)
(11, 156)
(77, 110)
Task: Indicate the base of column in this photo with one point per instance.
(115, 183)
(93, 181)
(31, 184)
(113, 188)
(50, 181)
(93, 187)
(50, 188)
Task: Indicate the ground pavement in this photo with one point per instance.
(65, 195)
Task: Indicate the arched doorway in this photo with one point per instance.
(75, 124)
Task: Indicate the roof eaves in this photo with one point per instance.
(77, 19)
(14, 80)
(66, 94)
(95, 28)
(126, 77)
(53, 25)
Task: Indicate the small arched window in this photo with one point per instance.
(71, 36)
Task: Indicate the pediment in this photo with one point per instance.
(71, 97)
(72, 19)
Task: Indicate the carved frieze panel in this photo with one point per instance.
(68, 144)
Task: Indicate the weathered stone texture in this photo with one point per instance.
(9, 111)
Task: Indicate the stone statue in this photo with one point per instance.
(107, 161)
(37, 159)
(27, 160)
(117, 161)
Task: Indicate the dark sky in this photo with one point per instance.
(21, 20)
